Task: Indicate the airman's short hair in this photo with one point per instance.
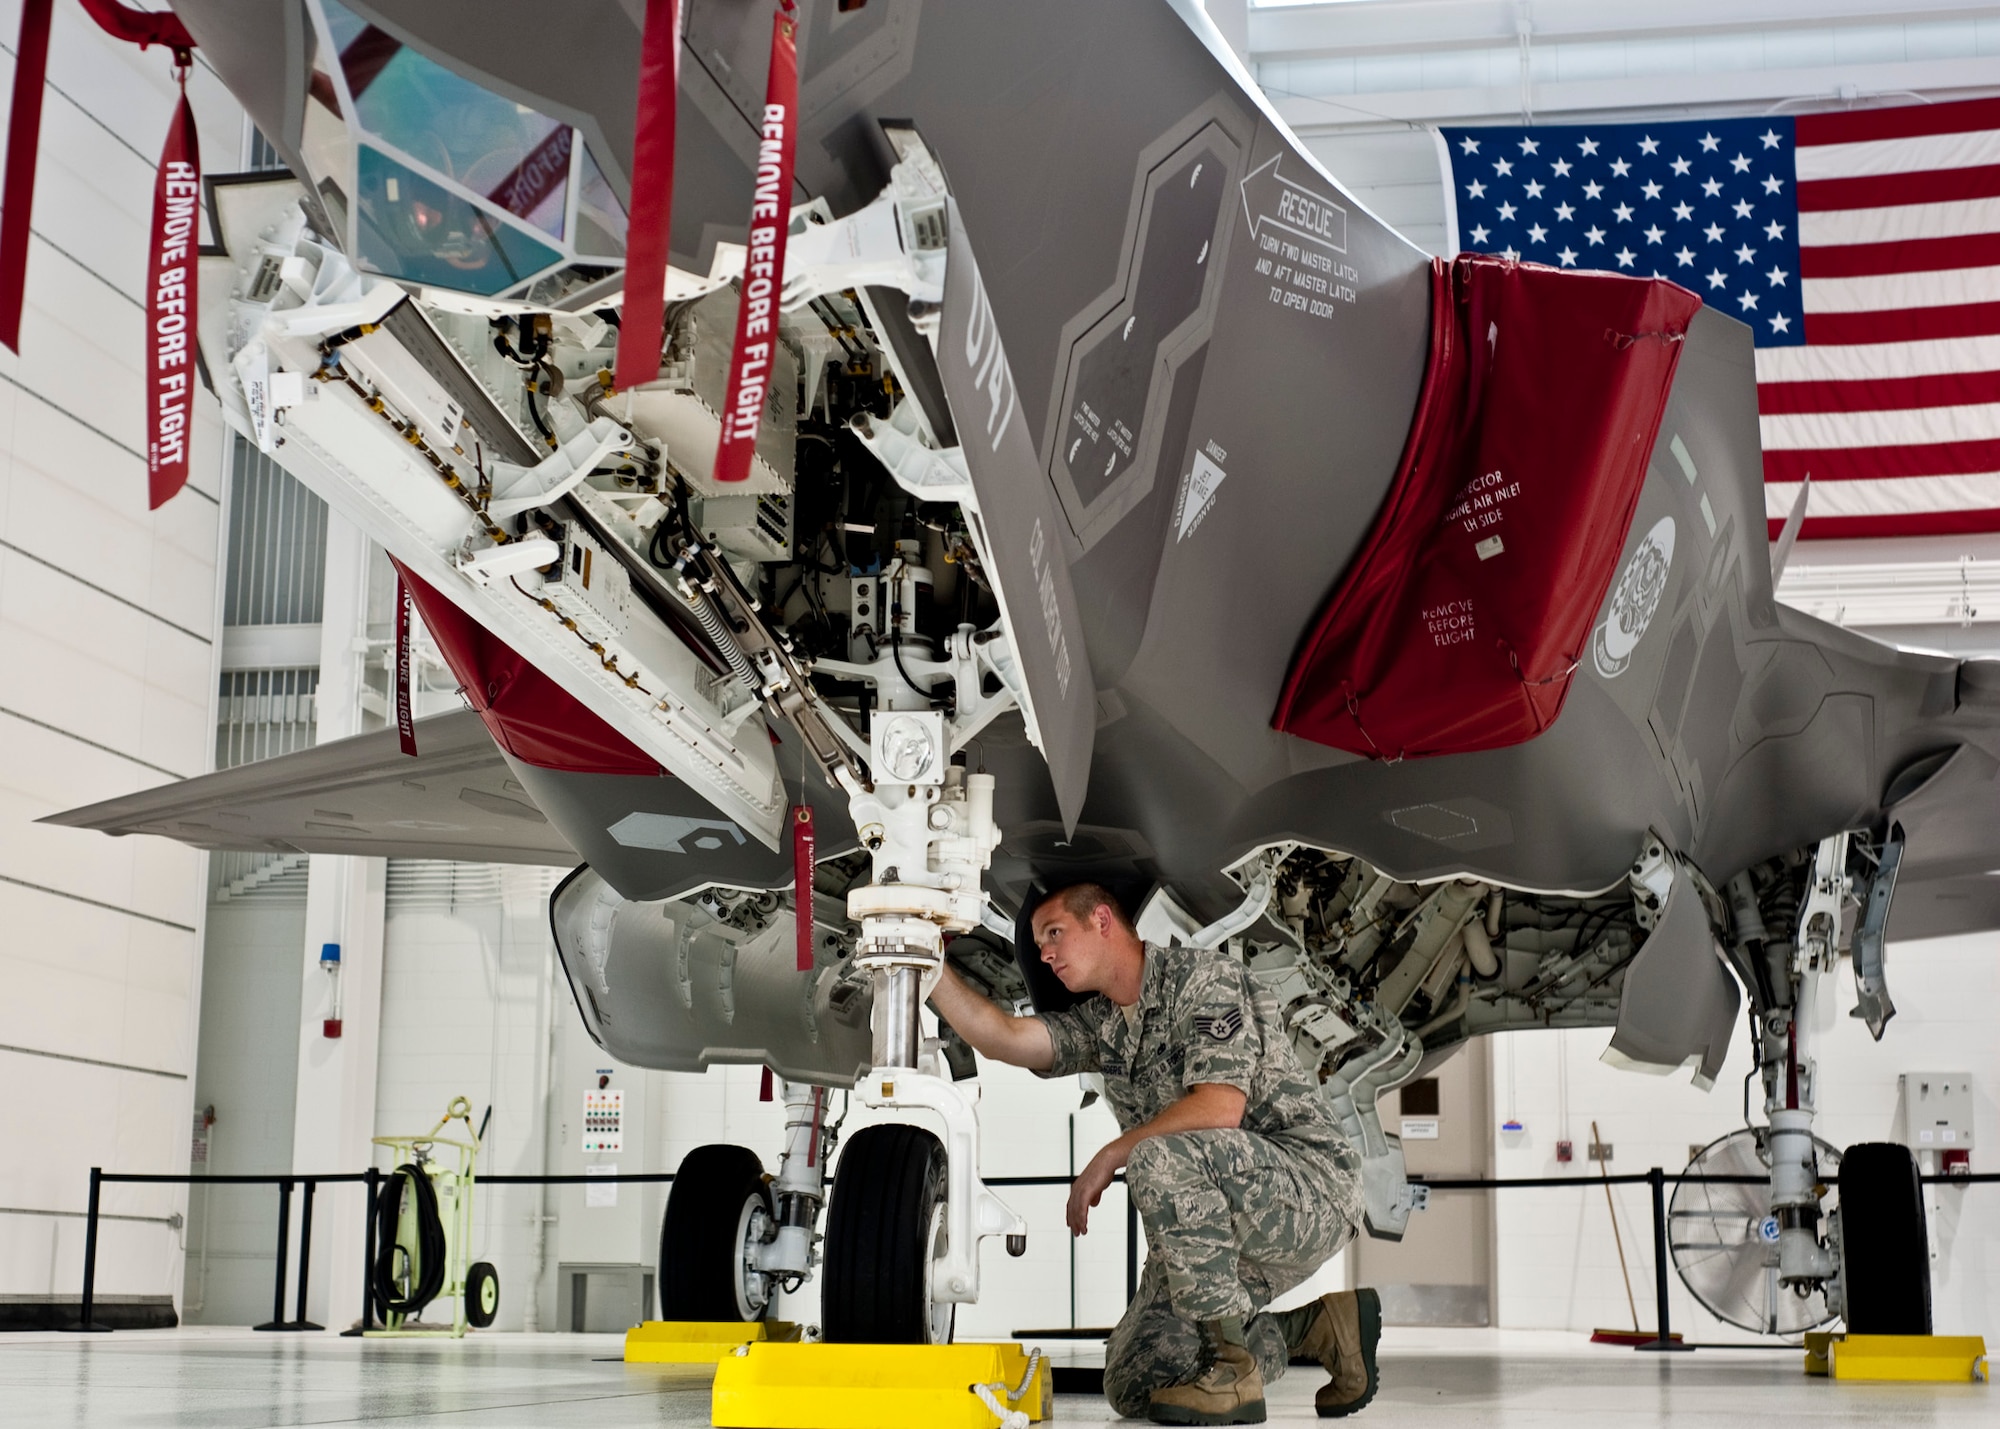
(1080, 900)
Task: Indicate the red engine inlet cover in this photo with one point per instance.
(1461, 622)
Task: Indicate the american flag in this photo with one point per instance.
(1863, 249)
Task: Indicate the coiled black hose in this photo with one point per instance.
(430, 1247)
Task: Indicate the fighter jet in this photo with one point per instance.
(1128, 503)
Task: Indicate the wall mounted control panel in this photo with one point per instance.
(1937, 1110)
(603, 1120)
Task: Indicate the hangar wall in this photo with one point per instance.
(107, 685)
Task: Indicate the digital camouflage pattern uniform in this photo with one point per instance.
(1233, 1218)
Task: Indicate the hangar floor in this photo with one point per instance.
(218, 1379)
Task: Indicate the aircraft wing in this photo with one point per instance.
(456, 799)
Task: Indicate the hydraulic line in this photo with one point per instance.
(604, 657)
(474, 499)
(535, 414)
(896, 651)
(531, 361)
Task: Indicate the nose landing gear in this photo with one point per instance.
(903, 1239)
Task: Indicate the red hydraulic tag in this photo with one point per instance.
(171, 305)
(641, 327)
(406, 724)
(802, 883)
(764, 1087)
(764, 265)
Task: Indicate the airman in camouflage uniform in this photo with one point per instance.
(1233, 1219)
(1234, 1163)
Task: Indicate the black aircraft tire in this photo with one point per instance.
(1885, 1246)
(482, 1294)
(699, 1242)
(881, 1228)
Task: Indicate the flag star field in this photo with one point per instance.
(1709, 205)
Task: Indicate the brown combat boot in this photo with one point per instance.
(1342, 1337)
(1231, 1392)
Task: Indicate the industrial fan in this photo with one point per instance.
(1724, 1238)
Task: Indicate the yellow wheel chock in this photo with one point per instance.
(700, 1341)
(1940, 1359)
(820, 1386)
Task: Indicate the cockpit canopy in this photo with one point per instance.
(426, 176)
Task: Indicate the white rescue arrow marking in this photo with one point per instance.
(1302, 212)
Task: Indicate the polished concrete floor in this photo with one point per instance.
(221, 1379)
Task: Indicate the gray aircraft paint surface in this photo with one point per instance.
(1203, 450)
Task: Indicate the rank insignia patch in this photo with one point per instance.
(1221, 1028)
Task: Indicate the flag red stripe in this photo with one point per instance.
(1914, 523)
(1902, 122)
(1903, 324)
(1914, 255)
(1864, 463)
(1896, 190)
(1887, 394)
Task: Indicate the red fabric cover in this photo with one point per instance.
(648, 229)
(529, 715)
(140, 27)
(24, 142)
(1537, 417)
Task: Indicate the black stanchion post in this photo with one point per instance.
(369, 1238)
(86, 1312)
(370, 1191)
(1657, 1179)
(299, 1320)
(277, 1320)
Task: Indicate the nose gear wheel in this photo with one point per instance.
(884, 1230)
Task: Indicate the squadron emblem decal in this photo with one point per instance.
(1221, 1028)
(1634, 600)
